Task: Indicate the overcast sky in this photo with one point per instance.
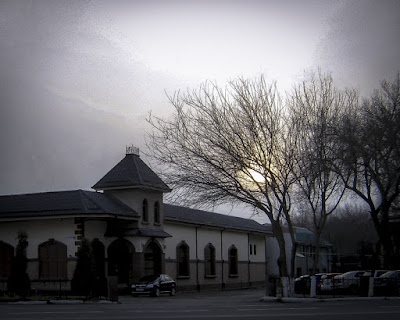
(78, 78)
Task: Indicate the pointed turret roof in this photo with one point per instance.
(131, 172)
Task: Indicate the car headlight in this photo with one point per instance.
(133, 286)
(149, 286)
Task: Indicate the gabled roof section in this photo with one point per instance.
(63, 203)
(131, 172)
(211, 219)
(305, 236)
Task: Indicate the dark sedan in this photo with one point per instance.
(388, 283)
(154, 285)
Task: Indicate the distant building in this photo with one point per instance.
(305, 253)
(133, 233)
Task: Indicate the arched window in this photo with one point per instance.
(6, 257)
(233, 261)
(182, 256)
(52, 260)
(145, 211)
(209, 260)
(157, 212)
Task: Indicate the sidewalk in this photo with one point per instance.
(258, 294)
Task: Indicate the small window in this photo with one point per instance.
(157, 213)
(251, 249)
(145, 211)
(255, 250)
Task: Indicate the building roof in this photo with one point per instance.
(64, 203)
(204, 218)
(307, 237)
(131, 172)
(90, 203)
(121, 231)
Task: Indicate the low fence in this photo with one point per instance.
(362, 286)
(48, 287)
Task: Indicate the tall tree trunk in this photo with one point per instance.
(382, 228)
(317, 251)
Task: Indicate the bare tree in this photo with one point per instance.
(370, 138)
(231, 144)
(315, 109)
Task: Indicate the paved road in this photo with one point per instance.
(219, 305)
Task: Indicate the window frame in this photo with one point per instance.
(145, 211)
(183, 260)
(233, 260)
(157, 219)
(209, 261)
(53, 267)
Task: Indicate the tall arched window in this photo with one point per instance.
(157, 212)
(182, 255)
(52, 260)
(6, 257)
(233, 261)
(145, 211)
(209, 260)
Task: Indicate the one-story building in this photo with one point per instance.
(132, 233)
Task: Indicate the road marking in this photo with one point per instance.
(275, 309)
(56, 312)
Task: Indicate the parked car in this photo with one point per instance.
(326, 283)
(302, 284)
(154, 285)
(348, 282)
(388, 283)
(375, 273)
(318, 278)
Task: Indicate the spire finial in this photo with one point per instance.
(132, 150)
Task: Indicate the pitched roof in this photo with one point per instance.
(212, 219)
(124, 231)
(76, 202)
(307, 237)
(131, 172)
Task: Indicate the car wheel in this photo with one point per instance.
(173, 291)
(156, 292)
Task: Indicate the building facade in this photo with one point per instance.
(132, 233)
(305, 253)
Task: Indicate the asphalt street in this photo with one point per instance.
(242, 304)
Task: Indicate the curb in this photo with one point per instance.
(304, 300)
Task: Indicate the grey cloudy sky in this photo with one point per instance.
(78, 78)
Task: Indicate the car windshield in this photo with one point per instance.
(150, 278)
(388, 274)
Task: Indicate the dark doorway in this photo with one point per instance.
(120, 260)
(152, 259)
(6, 258)
(99, 257)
